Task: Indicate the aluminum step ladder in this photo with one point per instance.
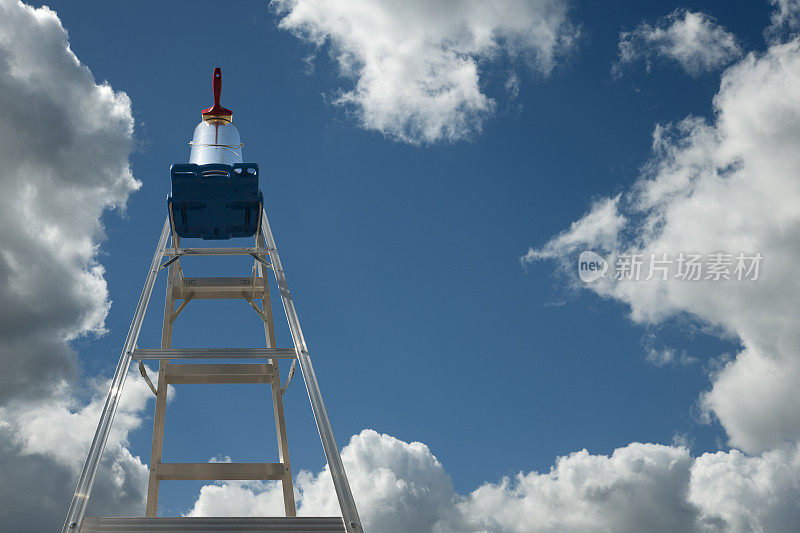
(252, 290)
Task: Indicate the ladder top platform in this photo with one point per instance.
(215, 201)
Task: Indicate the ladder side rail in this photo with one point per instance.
(347, 504)
(289, 504)
(159, 415)
(77, 508)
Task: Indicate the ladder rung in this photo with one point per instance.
(215, 353)
(219, 373)
(216, 251)
(300, 524)
(219, 471)
(219, 288)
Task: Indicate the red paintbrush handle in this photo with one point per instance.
(217, 110)
(217, 85)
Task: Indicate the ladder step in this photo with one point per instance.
(170, 252)
(219, 373)
(219, 288)
(214, 353)
(213, 525)
(220, 471)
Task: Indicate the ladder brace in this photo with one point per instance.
(180, 308)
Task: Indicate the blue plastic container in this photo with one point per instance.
(215, 201)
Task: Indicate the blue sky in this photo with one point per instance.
(404, 259)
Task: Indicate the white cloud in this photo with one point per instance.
(749, 493)
(640, 487)
(64, 144)
(512, 84)
(600, 226)
(55, 432)
(416, 64)
(785, 20)
(667, 356)
(731, 185)
(694, 40)
(402, 487)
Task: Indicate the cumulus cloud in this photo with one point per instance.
(748, 493)
(416, 64)
(693, 40)
(64, 144)
(399, 487)
(43, 445)
(728, 185)
(402, 487)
